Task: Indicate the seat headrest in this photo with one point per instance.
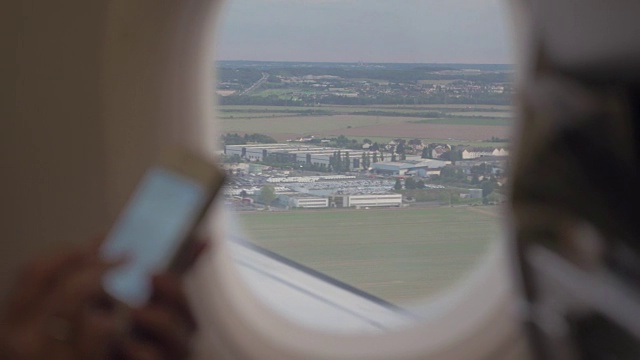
(593, 38)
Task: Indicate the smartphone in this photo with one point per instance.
(154, 230)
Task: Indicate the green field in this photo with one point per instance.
(486, 121)
(386, 139)
(288, 122)
(349, 108)
(253, 115)
(491, 114)
(305, 124)
(282, 93)
(397, 254)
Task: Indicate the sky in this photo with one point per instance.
(407, 31)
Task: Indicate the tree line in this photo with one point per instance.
(246, 75)
(386, 99)
(235, 139)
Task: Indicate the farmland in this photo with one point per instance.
(438, 131)
(403, 108)
(397, 254)
(441, 123)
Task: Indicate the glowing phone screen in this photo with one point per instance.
(150, 231)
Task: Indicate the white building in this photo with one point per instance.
(236, 167)
(320, 158)
(474, 153)
(304, 201)
(403, 167)
(258, 152)
(500, 152)
(251, 151)
(367, 200)
(295, 153)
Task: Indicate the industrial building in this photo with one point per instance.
(295, 153)
(474, 153)
(258, 152)
(475, 193)
(366, 200)
(304, 201)
(401, 168)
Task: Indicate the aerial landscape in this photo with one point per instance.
(389, 177)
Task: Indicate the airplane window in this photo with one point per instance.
(368, 143)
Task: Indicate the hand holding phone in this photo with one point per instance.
(155, 229)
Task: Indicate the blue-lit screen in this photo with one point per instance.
(149, 232)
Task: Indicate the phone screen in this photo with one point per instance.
(150, 231)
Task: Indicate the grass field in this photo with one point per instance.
(397, 254)
(492, 114)
(386, 139)
(306, 124)
(282, 93)
(411, 130)
(253, 115)
(349, 108)
(471, 123)
(466, 121)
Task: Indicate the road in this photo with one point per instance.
(257, 84)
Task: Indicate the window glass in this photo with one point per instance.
(368, 140)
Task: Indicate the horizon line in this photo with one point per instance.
(365, 62)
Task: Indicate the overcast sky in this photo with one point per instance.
(421, 31)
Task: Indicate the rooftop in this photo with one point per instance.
(402, 165)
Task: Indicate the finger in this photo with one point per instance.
(83, 284)
(78, 291)
(45, 270)
(190, 255)
(168, 291)
(94, 260)
(38, 278)
(79, 304)
(44, 273)
(96, 244)
(197, 249)
(94, 255)
(163, 327)
(136, 350)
